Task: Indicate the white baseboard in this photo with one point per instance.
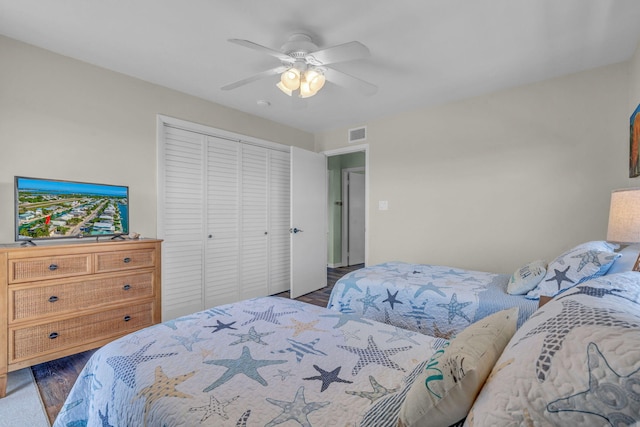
(334, 265)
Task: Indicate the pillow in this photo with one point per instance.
(584, 262)
(527, 277)
(444, 392)
(576, 362)
(627, 260)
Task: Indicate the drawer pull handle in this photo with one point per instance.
(53, 335)
(127, 260)
(126, 287)
(127, 318)
(53, 267)
(53, 298)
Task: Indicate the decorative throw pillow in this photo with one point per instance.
(584, 262)
(444, 392)
(527, 277)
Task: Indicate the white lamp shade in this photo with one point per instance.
(285, 89)
(291, 79)
(305, 89)
(315, 78)
(624, 216)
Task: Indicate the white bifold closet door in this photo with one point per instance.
(225, 221)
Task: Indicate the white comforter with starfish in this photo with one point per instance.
(260, 362)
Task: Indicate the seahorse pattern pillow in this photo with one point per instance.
(444, 392)
(584, 262)
(526, 277)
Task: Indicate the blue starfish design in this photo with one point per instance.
(245, 364)
(220, 326)
(343, 318)
(328, 377)
(374, 354)
(216, 311)
(453, 272)
(298, 410)
(300, 349)
(378, 391)
(429, 287)
(173, 324)
(368, 301)
(349, 285)
(417, 312)
(392, 299)
(560, 277)
(556, 329)
(268, 315)
(591, 257)
(597, 293)
(401, 334)
(187, 342)
(455, 308)
(610, 395)
(105, 418)
(124, 367)
(251, 336)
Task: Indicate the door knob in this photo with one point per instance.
(295, 230)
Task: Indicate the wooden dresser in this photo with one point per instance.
(58, 300)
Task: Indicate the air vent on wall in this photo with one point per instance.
(357, 134)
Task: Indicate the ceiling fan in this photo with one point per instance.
(304, 68)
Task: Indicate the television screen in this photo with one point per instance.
(52, 209)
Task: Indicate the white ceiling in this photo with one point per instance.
(423, 52)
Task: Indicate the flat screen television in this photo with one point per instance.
(56, 209)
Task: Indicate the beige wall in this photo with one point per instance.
(493, 182)
(65, 119)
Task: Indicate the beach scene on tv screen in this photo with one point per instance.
(56, 209)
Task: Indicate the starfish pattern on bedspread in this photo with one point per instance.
(430, 287)
(245, 364)
(298, 410)
(597, 293)
(374, 354)
(368, 301)
(610, 395)
(173, 324)
(300, 327)
(561, 276)
(187, 341)
(392, 298)
(455, 308)
(214, 407)
(220, 326)
(349, 285)
(556, 329)
(328, 377)
(591, 257)
(378, 391)
(268, 315)
(343, 318)
(252, 336)
(300, 349)
(162, 387)
(124, 367)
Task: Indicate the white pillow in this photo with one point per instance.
(527, 277)
(444, 392)
(584, 262)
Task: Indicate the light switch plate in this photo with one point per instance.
(383, 205)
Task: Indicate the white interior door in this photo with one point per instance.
(356, 218)
(308, 221)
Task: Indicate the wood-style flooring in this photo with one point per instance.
(55, 378)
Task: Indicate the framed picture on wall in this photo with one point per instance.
(634, 140)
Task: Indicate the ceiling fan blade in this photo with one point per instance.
(251, 45)
(350, 82)
(268, 73)
(340, 53)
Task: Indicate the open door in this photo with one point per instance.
(308, 221)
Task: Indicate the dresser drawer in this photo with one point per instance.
(33, 341)
(28, 302)
(30, 269)
(120, 260)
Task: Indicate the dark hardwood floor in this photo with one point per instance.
(55, 378)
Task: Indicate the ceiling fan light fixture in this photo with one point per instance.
(291, 79)
(284, 89)
(305, 89)
(316, 79)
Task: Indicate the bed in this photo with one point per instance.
(259, 362)
(435, 300)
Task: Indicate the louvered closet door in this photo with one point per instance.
(279, 222)
(222, 271)
(182, 221)
(254, 226)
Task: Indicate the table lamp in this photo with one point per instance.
(624, 218)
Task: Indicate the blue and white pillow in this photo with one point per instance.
(584, 262)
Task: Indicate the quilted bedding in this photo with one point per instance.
(434, 300)
(259, 362)
(576, 362)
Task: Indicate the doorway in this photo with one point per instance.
(347, 235)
